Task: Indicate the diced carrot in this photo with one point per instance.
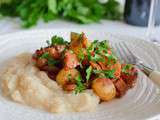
(95, 65)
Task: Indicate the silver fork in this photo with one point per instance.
(127, 56)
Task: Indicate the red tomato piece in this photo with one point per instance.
(70, 60)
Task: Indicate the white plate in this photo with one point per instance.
(141, 102)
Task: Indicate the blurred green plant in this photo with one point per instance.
(81, 11)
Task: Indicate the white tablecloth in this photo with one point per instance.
(9, 25)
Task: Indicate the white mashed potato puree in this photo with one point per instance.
(26, 84)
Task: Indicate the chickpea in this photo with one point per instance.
(104, 88)
(66, 76)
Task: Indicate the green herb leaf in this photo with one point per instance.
(92, 54)
(45, 55)
(89, 72)
(48, 42)
(79, 85)
(104, 45)
(81, 55)
(112, 9)
(48, 16)
(126, 68)
(50, 60)
(111, 58)
(58, 40)
(69, 77)
(107, 73)
(52, 5)
(81, 11)
(97, 57)
(99, 50)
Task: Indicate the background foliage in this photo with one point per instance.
(81, 11)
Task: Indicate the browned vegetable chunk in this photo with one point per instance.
(129, 76)
(95, 65)
(66, 76)
(121, 87)
(41, 62)
(116, 66)
(54, 53)
(104, 88)
(78, 43)
(60, 48)
(81, 64)
(70, 60)
(69, 87)
(40, 52)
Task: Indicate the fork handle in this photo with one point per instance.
(155, 77)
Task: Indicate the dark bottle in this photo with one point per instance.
(137, 12)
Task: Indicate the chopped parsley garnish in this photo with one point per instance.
(104, 44)
(88, 72)
(103, 48)
(48, 42)
(56, 40)
(79, 85)
(45, 55)
(81, 55)
(97, 57)
(126, 68)
(69, 77)
(107, 73)
(92, 54)
(50, 60)
(97, 50)
(111, 58)
(80, 37)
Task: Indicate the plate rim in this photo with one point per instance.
(18, 33)
(29, 31)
